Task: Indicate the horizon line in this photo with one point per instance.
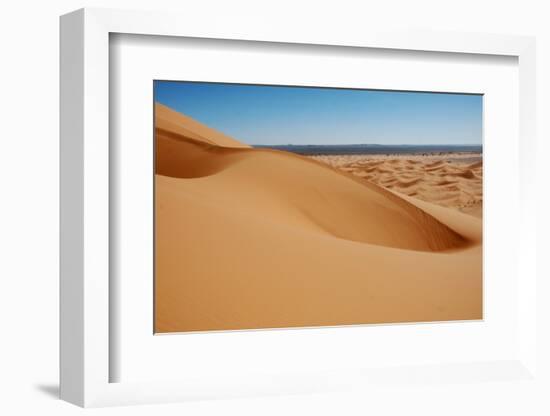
(370, 144)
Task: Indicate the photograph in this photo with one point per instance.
(281, 206)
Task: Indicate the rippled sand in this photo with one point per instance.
(453, 180)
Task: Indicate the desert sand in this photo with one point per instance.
(259, 238)
(452, 180)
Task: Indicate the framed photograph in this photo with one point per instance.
(271, 211)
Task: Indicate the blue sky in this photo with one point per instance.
(274, 115)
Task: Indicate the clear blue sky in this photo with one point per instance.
(273, 115)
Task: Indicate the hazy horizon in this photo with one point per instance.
(262, 115)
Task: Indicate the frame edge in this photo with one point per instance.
(71, 201)
(83, 356)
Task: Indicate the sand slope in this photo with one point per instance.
(249, 238)
(455, 182)
(171, 121)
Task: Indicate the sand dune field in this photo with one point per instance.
(259, 238)
(450, 180)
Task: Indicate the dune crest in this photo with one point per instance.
(257, 238)
(171, 121)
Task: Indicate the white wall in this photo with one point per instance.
(29, 207)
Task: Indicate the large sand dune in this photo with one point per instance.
(249, 238)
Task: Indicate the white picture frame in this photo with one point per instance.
(85, 220)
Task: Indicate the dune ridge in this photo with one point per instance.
(258, 238)
(170, 120)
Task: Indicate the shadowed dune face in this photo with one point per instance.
(250, 238)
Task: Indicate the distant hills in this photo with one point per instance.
(351, 149)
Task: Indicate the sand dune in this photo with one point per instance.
(249, 238)
(171, 121)
(449, 180)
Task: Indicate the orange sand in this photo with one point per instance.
(450, 180)
(255, 238)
